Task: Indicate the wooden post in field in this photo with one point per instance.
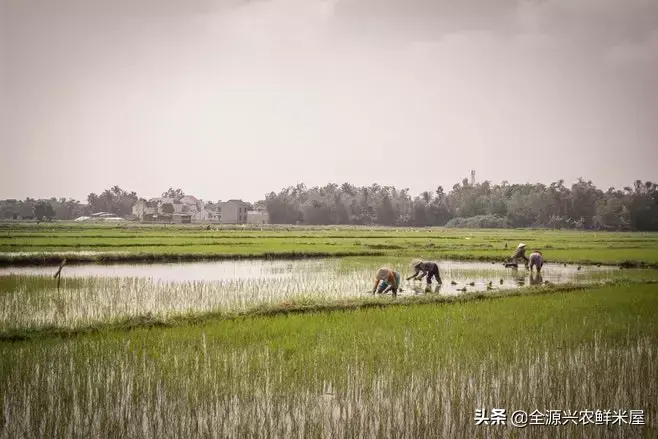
(58, 275)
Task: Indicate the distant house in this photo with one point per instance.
(192, 203)
(181, 218)
(205, 215)
(144, 208)
(257, 217)
(233, 212)
(162, 218)
(177, 210)
(213, 213)
(100, 216)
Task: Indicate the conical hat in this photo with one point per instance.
(383, 272)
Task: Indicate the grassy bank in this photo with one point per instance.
(31, 244)
(72, 258)
(410, 370)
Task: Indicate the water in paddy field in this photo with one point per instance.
(90, 294)
(328, 276)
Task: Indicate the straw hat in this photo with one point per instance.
(382, 273)
(415, 262)
(522, 245)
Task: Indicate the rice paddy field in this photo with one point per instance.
(239, 332)
(32, 244)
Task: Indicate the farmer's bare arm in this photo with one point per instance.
(392, 283)
(415, 274)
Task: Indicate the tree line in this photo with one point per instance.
(113, 200)
(580, 206)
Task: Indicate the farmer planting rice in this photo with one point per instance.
(390, 281)
(519, 254)
(425, 268)
(536, 260)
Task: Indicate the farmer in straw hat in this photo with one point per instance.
(390, 281)
(519, 254)
(425, 268)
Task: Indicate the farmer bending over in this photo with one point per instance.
(519, 254)
(431, 269)
(390, 281)
(536, 260)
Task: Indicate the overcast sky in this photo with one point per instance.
(233, 99)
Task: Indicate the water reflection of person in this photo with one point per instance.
(427, 289)
(536, 279)
(519, 276)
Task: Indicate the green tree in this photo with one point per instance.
(114, 200)
(386, 213)
(44, 210)
(176, 194)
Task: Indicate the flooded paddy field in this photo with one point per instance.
(330, 273)
(90, 294)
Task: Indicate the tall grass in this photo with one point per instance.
(397, 372)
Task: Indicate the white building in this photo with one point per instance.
(257, 217)
(233, 212)
(143, 207)
(187, 205)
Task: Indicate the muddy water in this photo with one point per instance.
(323, 275)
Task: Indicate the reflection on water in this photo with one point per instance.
(519, 276)
(426, 290)
(536, 279)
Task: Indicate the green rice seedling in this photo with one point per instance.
(411, 371)
(33, 245)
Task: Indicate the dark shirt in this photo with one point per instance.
(426, 267)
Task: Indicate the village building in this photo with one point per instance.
(234, 212)
(181, 218)
(187, 209)
(257, 217)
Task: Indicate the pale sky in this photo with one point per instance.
(234, 99)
